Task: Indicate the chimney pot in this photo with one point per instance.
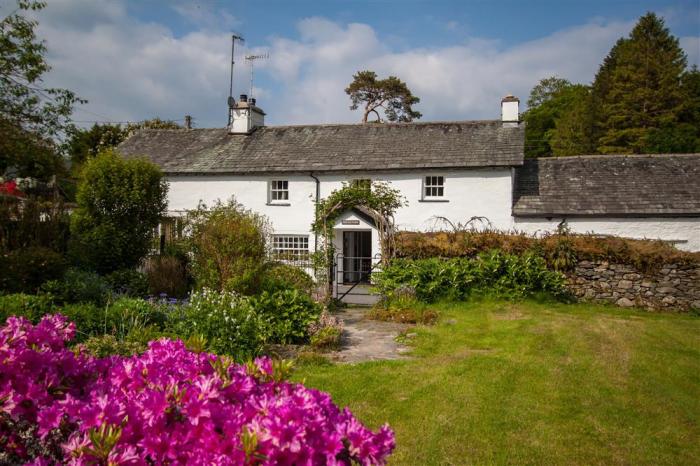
(243, 98)
(252, 101)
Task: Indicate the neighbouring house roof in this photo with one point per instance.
(326, 148)
(609, 185)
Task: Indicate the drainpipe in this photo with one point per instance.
(318, 198)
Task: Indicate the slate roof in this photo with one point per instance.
(609, 185)
(325, 148)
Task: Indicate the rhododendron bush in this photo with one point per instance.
(168, 405)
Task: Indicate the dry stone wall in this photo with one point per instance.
(674, 286)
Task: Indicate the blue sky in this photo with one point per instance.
(134, 60)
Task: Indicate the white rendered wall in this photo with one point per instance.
(684, 232)
(469, 193)
(476, 192)
(252, 192)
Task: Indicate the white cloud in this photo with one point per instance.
(131, 70)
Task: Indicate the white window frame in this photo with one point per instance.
(278, 189)
(290, 247)
(433, 184)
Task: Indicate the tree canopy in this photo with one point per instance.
(643, 100)
(390, 95)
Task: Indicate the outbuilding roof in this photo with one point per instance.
(609, 185)
(328, 148)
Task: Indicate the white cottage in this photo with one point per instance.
(457, 170)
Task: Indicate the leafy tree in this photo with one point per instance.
(31, 115)
(23, 98)
(573, 130)
(390, 94)
(638, 88)
(120, 203)
(549, 100)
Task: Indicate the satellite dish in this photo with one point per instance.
(231, 102)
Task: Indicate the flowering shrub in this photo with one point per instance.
(168, 405)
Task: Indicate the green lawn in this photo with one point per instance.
(534, 383)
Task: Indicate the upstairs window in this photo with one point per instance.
(279, 191)
(433, 187)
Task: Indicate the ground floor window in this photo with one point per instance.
(290, 247)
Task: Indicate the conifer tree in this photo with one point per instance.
(637, 90)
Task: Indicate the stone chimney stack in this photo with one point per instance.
(246, 116)
(510, 109)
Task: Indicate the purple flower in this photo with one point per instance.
(168, 405)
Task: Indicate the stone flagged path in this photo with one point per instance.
(367, 340)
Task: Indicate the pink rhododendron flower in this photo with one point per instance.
(168, 405)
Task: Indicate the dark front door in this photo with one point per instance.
(357, 256)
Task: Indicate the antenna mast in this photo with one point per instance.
(251, 59)
(231, 100)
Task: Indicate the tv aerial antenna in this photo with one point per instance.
(251, 59)
(231, 101)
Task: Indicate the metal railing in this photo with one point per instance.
(354, 271)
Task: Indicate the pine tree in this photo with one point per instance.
(638, 89)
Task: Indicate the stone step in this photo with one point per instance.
(359, 295)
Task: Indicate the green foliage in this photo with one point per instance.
(33, 307)
(120, 202)
(643, 100)
(403, 307)
(229, 247)
(78, 286)
(279, 276)
(328, 338)
(128, 282)
(24, 270)
(226, 321)
(107, 345)
(549, 100)
(561, 250)
(287, 313)
(494, 273)
(639, 87)
(390, 94)
(23, 99)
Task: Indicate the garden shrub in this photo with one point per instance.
(107, 345)
(79, 286)
(229, 247)
(120, 202)
(166, 406)
(287, 313)
(168, 275)
(493, 272)
(127, 315)
(227, 322)
(24, 270)
(32, 307)
(128, 282)
(561, 250)
(33, 221)
(281, 276)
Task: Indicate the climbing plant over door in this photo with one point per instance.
(377, 198)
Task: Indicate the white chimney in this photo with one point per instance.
(245, 116)
(510, 111)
